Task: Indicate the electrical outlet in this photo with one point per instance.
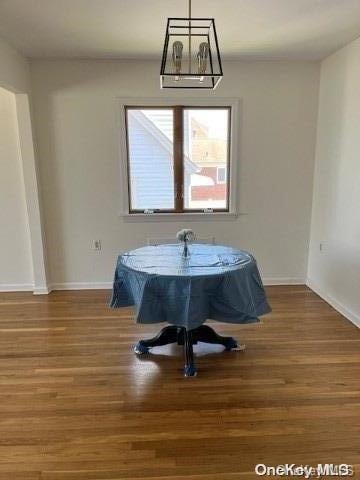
(322, 247)
(97, 245)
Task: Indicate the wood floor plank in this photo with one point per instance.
(77, 404)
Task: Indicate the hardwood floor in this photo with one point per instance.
(77, 404)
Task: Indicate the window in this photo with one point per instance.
(178, 159)
(221, 175)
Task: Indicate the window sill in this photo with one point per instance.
(178, 217)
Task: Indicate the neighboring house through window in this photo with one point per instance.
(221, 174)
(178, 158)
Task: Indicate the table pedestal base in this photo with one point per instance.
(187, 338)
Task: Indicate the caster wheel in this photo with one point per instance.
(190, 371)
(141, 349)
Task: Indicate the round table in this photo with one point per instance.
(212, 282)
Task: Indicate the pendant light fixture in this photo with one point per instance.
(191, 57)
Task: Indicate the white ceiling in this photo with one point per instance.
(259, 29)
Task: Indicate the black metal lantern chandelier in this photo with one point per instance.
(191, 57)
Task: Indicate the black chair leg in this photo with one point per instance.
(189, 368)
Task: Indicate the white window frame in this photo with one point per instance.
(233, 160)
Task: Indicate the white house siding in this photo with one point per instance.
(163, 120)
(151, 169)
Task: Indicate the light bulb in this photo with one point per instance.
(202, 57)
(177, 56)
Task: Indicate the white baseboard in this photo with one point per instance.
(108, 285)
(350, 315)
(268, 281)
(81, 286)
(16, 287)
(44, 290)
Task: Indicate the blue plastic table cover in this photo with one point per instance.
(213, 282)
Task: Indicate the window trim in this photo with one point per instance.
(138, 103)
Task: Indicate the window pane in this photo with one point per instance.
(221, 175)
(206, 158)
(151, 159)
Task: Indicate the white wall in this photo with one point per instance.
(15, 77)
(14, 69)
(15, 253)
(76, 116)
(334, 272)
